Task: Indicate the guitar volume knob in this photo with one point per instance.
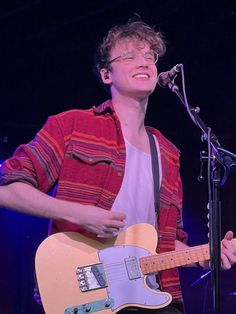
(107, 303)
(87, 308)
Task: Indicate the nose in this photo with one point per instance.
(141, 60)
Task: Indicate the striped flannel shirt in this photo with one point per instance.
(80, 154)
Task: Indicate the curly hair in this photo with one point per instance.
(134, 29)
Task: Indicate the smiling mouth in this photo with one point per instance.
(142, 75)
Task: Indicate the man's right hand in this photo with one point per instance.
(103, 223)
(27, 199)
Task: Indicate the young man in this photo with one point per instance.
(98, 161)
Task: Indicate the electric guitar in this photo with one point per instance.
(80, 275)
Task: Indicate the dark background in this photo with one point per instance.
(46, 57)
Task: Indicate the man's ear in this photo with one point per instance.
(105, 76)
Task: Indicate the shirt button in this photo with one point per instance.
(119, 174)
(90, 159)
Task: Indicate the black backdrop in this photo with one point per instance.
(46, 58)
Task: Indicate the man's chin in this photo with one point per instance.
(144, 93)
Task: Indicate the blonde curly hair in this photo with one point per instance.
(134, 29)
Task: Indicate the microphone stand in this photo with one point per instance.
(218, 158)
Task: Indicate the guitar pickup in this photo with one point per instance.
(91, 277)
(132, 268)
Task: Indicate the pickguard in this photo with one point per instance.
(126, 283)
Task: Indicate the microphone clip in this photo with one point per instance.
(172, 86)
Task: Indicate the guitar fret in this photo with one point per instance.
(167, 260)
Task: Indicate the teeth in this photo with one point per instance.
(142, 75)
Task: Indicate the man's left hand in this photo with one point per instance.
(228, 253)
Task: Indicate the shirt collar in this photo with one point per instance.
(105, 106)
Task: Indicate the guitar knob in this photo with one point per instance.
(87, 308)
(107, 303)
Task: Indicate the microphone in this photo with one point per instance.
(165, 78)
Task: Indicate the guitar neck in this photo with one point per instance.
(172, 259)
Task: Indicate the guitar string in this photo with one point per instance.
(118, 270)
(169, 259)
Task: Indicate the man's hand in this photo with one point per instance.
(104, 223)
(228, 253)
(27, 199)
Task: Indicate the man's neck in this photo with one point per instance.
(131, 114)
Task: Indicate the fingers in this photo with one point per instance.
(118, 216)
(102, 222)
(116, 220)
(112, 226)
(225, 263)
(205, 264)
(229, 235)
(228, 254)
(115, 224)
(111, 230)
(107, 235)
(108, 232)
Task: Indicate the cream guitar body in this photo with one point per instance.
(80, 275)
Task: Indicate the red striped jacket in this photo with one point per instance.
(81, 153)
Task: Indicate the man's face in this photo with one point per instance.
(133, 72)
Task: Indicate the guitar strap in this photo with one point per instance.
(155, 172)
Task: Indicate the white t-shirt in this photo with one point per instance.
(136, 195)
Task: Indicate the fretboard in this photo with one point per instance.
(184, 257)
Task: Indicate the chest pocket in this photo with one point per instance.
(91, 157)
(88, 165)
(85, 175)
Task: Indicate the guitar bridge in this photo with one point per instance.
(91, 277)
